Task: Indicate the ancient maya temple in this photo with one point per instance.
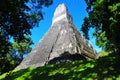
(62, 43)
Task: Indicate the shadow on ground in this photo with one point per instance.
(103, 68)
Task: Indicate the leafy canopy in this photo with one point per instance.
(104, 17)
(17, 18)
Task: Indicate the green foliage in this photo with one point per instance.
(17, 18)
(104, 17)
(22, 48)
(103, 53)
(15, 55)
(104, 68)
(102, 40)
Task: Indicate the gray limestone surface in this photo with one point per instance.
(62, 43)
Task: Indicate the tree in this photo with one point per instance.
(104, 17)
(17, 18)
(16, 55)
(21, 49)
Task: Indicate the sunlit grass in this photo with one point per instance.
(103, 53)
(104, 68)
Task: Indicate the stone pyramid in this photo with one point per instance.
(62, 43)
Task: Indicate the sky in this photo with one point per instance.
(77, 8)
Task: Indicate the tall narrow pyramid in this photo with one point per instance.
(62, 43)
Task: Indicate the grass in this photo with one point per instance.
(104, 68)
(104, 53)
